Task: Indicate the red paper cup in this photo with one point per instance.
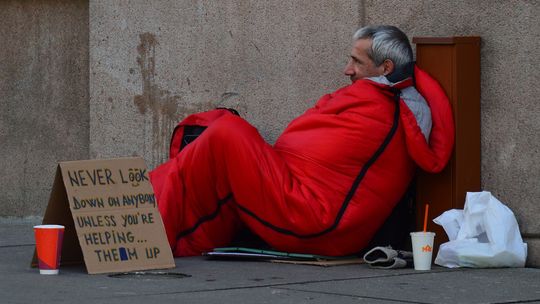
(49, 246)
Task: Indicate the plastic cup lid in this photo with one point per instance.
(49, 227)
(418, 233)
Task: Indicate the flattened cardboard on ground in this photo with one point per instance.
(323, 263)
(246, 253)
(111, 217)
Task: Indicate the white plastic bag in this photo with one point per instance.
(484, 234)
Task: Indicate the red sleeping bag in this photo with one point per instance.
(325, 187)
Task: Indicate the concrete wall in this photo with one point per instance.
(43, 97)
(510, 58)
(154, 62)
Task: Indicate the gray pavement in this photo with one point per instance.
(198, 280)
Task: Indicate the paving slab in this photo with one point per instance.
(199, 280)
(520, 285)
(17, 231)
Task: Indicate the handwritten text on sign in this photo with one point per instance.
(115, 214)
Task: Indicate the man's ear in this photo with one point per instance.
(388, 66)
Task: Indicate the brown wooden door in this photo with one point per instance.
(455, 63)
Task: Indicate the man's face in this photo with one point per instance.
(360, 65)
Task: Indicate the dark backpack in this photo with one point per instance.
(193, 126)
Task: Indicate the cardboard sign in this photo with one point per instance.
(111, 217)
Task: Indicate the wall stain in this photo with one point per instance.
(159, 103)
(164, 108)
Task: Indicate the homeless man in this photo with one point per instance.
(333, 176)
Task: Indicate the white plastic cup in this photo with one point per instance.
(422, 245)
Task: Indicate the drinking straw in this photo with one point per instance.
(425, 217)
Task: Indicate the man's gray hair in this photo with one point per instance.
(389, 42)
